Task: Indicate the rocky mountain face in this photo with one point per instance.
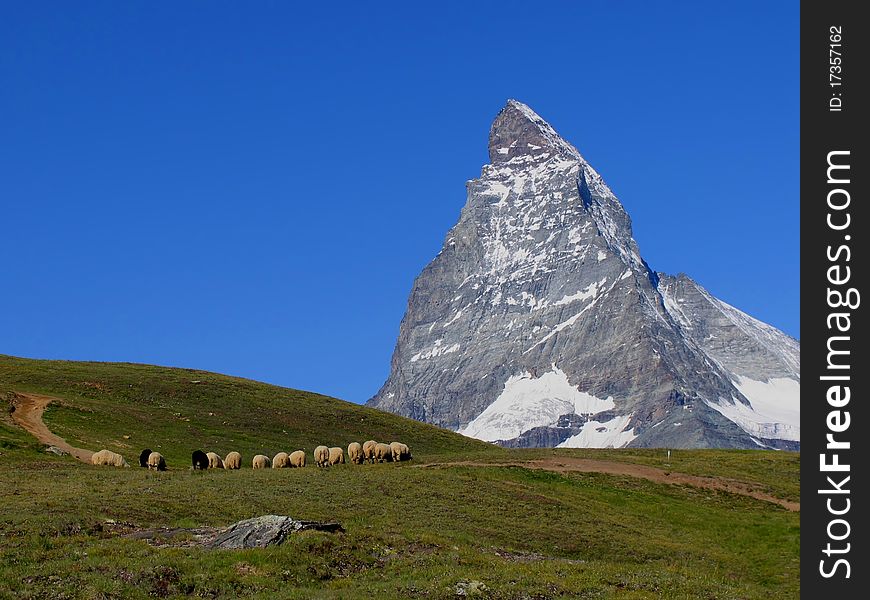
(539, 324)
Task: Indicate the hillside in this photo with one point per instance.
(522, 522)
(177, 411)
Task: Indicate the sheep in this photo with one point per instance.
(321, 456)
(355, 453)
(383, 453)
(336, 456)
(108, 458)
(199, 460)
(297, 459)
(156, 462)
(214, 460)
(400, 451)
(233, 461)
(281, 461)
(369, 451)
(143, 458)
(261, 461)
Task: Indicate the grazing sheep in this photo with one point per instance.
(233, 461)
(369, 451)
(214, 460)
(143, 457)
(336, 456)
(107, 458)
(383, 453)
(355, 453)
(261, 461)
(156, 462)
(321, 456)
(297, 459)
(400, 451)
(281, 461)
(199, 460)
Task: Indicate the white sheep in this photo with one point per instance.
(383, 453)
(281, 461)
(355, 453)
(233, 461)
(261, 461)
(214, 460)
(369, 451)
(297, 458)
(321, 456)
(108, 458)
(399, 451)
(336, 456)
(156, 462)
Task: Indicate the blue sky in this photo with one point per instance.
(251, 188)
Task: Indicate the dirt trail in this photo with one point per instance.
(28, 414)
(566, 464)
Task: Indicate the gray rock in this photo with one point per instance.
(268, 530)
(56, 450)
(471, 589)
(539, 294)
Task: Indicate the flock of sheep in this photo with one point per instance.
(357, 453)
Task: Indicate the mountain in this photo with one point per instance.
(539, 324)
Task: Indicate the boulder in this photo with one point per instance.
(268, 530)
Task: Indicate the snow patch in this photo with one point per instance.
(591, 291)
(527, 402)
(454, 317)
(437, 350)
(607, 434)
(773, 411)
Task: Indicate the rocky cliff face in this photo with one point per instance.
(539, 324)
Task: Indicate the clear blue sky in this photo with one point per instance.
(251, 188)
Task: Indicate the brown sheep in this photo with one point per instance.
(336, 456)
(321, 456)
(281, 461)
(214, 461)
(156, 462)
(107, 458)
(400, 451)
(261, 461)
(233, 461)
(355, 453)
(368, 449)
(297, 459)
(383, 453)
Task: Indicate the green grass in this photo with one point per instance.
(777, 473)
(410, 532)
(163, 409)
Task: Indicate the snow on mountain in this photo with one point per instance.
(613, 433)
(528, 401)
(773, 411)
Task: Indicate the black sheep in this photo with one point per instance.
(143, 457)
(200, 460)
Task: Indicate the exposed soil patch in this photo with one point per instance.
(28, 415)
(565, 464)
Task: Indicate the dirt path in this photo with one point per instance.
(28, 414)
(566, 464)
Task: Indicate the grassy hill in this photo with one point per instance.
(412, 530)
(176, 411)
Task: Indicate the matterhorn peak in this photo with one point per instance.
(539, 324)
(519, 131)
